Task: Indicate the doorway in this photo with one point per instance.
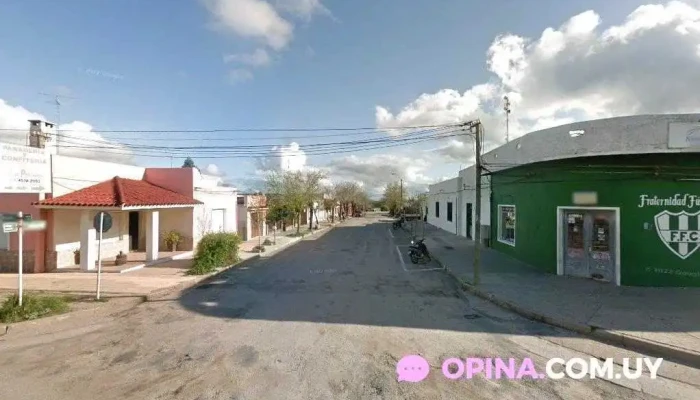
(134, 231)
(588, 243)
(469, 220)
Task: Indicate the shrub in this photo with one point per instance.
(267, 242)
(258, 249)
(214, 251)
(33, 307)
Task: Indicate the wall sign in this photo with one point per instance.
(683, 135)
(24, 169)
(680, 231)
(678, 200)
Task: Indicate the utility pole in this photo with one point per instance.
(57, 102)
(506, 108)
(477, 208)
(477, 128)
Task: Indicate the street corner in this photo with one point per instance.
(408, 266)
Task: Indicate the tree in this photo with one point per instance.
(416, 204)
(189, 163)
(313, 191)
(351, 197)
(295, 191)
(392, 198)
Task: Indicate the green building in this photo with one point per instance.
(615, 200)
(631, 219)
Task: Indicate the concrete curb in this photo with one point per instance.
(601, 334)
(161, 293)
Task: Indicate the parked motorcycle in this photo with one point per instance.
(398, 223)
(418, 252)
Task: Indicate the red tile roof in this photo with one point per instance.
(120, 192)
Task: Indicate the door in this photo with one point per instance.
(469, 220)
(134, 230)
(601, 251)
(217, 220)
(589, 247)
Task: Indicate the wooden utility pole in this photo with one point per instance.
(477, 208)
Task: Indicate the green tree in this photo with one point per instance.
(189, 163)
(392, 198)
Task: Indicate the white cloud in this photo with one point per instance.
(304, 9)
(256, 19)
(239, 75)
(374, 172)
(213, 169)
(258, 58)
(283, 158)
(574, 72)
(77, 138)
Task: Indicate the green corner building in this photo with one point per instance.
(615, 200)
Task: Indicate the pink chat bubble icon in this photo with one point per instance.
(412, 369)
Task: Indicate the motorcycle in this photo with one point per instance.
(418, 252)
(398, 223)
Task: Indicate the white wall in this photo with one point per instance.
(67, 228)
(443, 193)
(175, 219)
(214, 199)
(71, 174)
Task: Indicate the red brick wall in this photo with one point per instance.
(9, 261)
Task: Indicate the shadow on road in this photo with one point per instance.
(350, 275)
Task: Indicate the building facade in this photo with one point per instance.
(615, 200)
(144, 204)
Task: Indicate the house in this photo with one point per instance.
(615, 200)
(252, 215)
(144, 204)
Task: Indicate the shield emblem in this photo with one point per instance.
(680, 232)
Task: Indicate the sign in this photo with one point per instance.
(683, 135)
(10, 227)
(585, 198)
(680, 232)
(14, 218)
(686, 200)
(24, 169)
(36, 225)
(106, 222)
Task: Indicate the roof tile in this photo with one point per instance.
(120, 192)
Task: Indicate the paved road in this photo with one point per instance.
(326, 319)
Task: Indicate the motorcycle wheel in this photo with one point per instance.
(414, 258)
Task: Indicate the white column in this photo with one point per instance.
(152, 235)
(88, 243)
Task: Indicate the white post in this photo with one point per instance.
(20, 232)
(99, 255)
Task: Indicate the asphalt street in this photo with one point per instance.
(328, 318)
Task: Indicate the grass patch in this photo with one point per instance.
(33, 307)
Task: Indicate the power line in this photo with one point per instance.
(238, 152)
(231, 130)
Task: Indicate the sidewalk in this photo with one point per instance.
(658, 320)
(148, 281)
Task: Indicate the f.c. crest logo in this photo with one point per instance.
(680, 232)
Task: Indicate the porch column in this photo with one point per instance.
(88, 242)
(152, 236)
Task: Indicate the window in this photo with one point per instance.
(506, 224)
(241, 200)
(449, 211)
(437, 209)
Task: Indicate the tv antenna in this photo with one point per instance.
(56, 101)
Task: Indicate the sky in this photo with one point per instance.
(187, 66)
